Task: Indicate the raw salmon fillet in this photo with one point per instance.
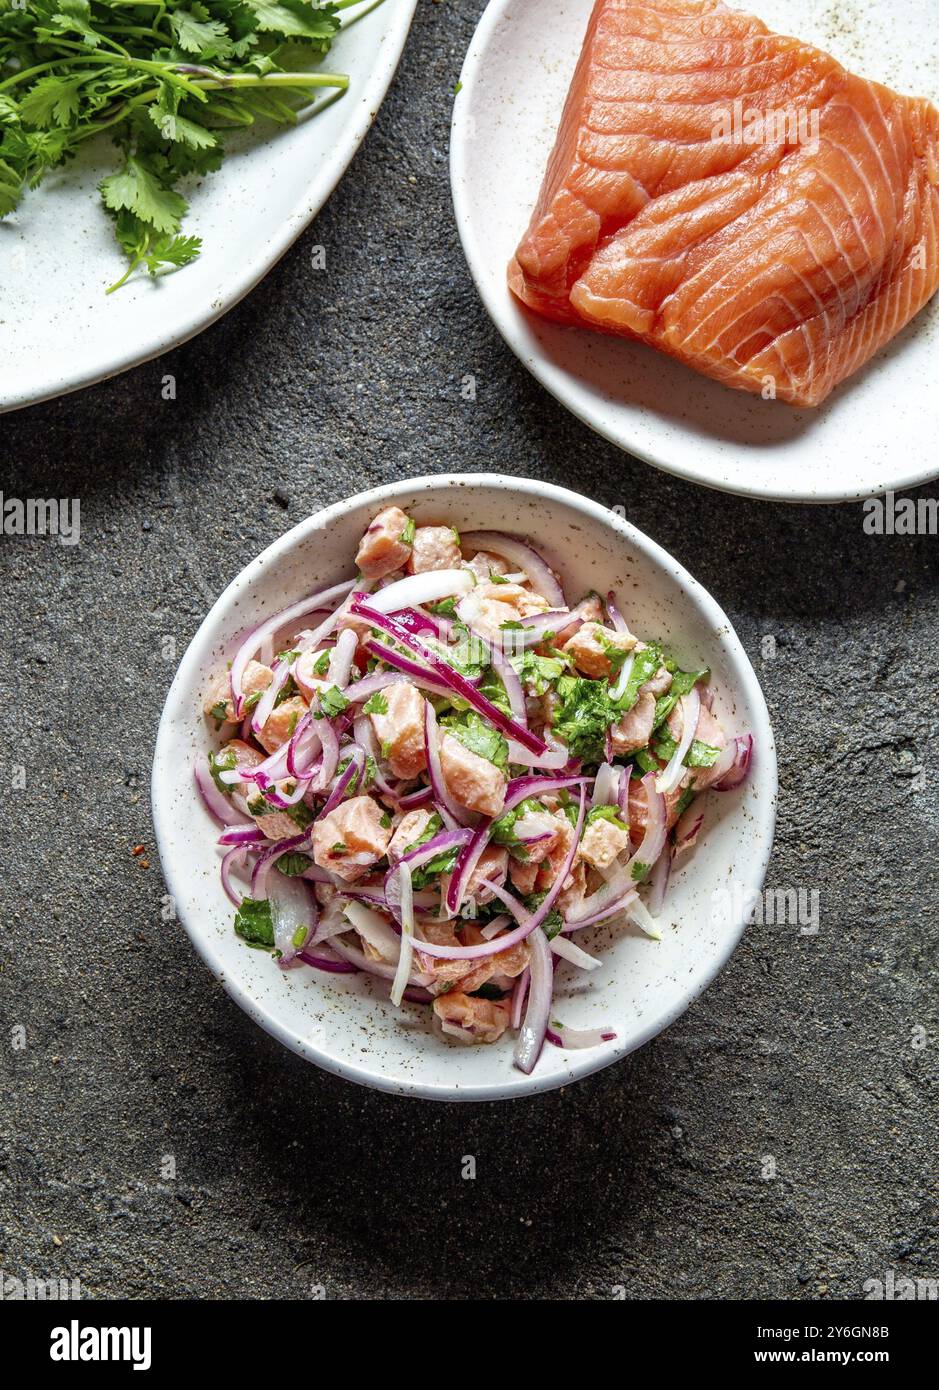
(779, 266)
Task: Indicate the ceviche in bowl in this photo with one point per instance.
(467, 779)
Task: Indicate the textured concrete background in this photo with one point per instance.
(648, 1175)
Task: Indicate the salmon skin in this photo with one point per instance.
(735, 199)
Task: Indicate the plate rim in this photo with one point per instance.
(369, 98)
(578, 1064)
(509, 319)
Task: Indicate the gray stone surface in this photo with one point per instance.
(648, 1175)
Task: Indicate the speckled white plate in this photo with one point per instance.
(878, 431)
(58, 328)
(343, 1022)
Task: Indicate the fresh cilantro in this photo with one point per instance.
(409, 532)
(332, 702)
(376, 704)
(224, 762)
(432, 828)
(701, 755)
(583, 715)
(645, 761)
(293, 865)
(682, 683)
(446, 608)
(479, 736)
(385, 821)
(321, 664)
(553, 923)
(503, 829)
(442, 863)
(539, 673)
(220, 713)
(640, 870)
(254, 924)
(645, 665)
(684, 801)
(163, 80)
(301, 814)
(610, 813)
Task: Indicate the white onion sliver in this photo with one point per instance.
(638, 913)
(566, 949)
(606, 786)
(622, 680)
(340, 660)
(535, 1024)
(690, 706)
(406, 948)
(374, 929)
(416, 589)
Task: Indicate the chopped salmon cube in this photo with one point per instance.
(401, 729)
(473, 781)
(493, 865)
(473, 1020)
(489, 606)
(381, 549)
(351, 838)
(408, 830)
(282, 723)
(635, 728)
(434, 548)
(276, 825)
(601, 842)
(218, 702)
(485, 565)
(591, 645)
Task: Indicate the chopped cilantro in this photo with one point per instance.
(225, 762)
(254, 924)
(407, 535)
(332, 702)
(293, 865)
(220, 713)
(476, 734)
(610, 813)
(539, 673)
(321, 664)
(376, 704)
(553, 923)
(583, 715)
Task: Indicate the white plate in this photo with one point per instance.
(878, 431)
(344, 1023)
(60, 331)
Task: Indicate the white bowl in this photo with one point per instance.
(344, 1022)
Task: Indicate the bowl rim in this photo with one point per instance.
(580, 1063)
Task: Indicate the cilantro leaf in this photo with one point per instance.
(254, 924)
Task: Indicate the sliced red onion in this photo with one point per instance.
(561, 946)
(653, 842)
(532, 1034)
(638, 913)
(329, 739)
(414, 800)
(519, 994)
(356, 764)
(688, 828)
(467, 861)
(513, 686)
(739, 755)
(658, 882)
(622, 680)
(623, 794)
(406, 952)
(266, 631)
(249, 836)
(416, 859)
(616, 618)
(320, 962)
(364, 735)
(396, 628)
(435, 771)
(535, 627)
(339, 670)
(428, 587)
(523, 556)
(606, 786)
(293, 909)
(406, 669)
(606, 902)
(265, 706)
(528, 922)
(231, 861)
(521, 788)
(216, 802)
(690, 706)
(374, 967)
(554, 760)
(561, 1036)
(281, 800)
(294, 844)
